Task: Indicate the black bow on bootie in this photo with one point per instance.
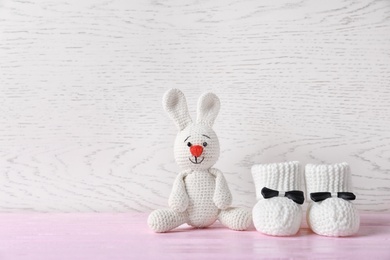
(320, 196)
(295, 195)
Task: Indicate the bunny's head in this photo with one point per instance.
(196, 144)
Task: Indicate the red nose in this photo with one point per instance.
(196, 150)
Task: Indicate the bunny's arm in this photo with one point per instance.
(178, 200)
(222, 197)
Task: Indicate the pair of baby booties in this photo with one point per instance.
(200, 194)
(278, 211)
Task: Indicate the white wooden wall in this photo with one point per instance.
(81, 122)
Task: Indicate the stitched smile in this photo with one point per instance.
(196, 160)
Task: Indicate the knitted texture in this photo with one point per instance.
(326, 177)
(278, 216)
(333, 216)
(277, 176)
(236, 218)
(200, 194)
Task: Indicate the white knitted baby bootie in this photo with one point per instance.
(331, 212)
(278, 211)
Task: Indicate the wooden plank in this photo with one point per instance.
(126, 236)
(82, 127)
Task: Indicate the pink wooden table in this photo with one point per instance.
(126, 236)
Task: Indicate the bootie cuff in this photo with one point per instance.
(277, 176)
(328, 178)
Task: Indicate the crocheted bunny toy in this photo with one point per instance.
(200, 194)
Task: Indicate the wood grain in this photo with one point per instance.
(82, 126)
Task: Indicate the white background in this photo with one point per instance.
(81, 122)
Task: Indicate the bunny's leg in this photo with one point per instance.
(163, 220)
(235, 218)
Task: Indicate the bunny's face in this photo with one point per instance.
(196, 145)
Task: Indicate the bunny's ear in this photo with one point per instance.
(174, 102)
(208, 108)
